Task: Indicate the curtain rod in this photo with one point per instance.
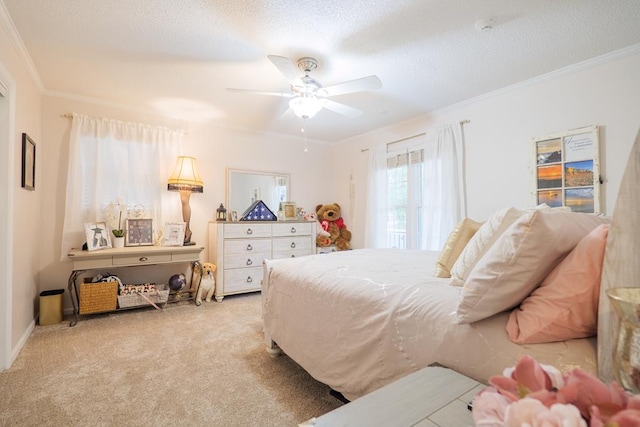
(70, 116)
(461, 122)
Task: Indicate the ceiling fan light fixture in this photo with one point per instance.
(306, 105)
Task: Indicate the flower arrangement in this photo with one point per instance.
(113, 212)
(532, 394)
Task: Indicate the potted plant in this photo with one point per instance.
(116, 228)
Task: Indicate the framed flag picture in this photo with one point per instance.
(258, 211)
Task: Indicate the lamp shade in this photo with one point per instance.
(306, 105)
(185, 176)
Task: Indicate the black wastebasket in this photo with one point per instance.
(51, 307)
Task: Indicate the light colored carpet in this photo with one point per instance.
(184, 365)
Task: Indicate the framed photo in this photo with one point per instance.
(234, 215)
(97, 235)
(566, 170)
(28, 163)
(289, 210)
(139, 232)
(174, 234)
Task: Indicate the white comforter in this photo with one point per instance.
(357, 320)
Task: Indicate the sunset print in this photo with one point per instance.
(580, 199)
(578, 174)
(552, 198)
(550, 176)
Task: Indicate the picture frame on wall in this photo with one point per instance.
(174, 233)
(139, 232)
(97, 235)
(566, 170)
(28, 163)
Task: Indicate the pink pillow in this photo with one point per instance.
(565, 305)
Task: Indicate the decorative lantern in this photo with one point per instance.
(221, 213)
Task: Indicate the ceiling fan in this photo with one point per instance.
(307, 95)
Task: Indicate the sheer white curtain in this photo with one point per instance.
(442, 202)
(111, 160)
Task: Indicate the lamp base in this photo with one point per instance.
(189, 243)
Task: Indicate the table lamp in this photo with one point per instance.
(186, 180)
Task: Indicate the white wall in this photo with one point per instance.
(502, 124)
(215, 149)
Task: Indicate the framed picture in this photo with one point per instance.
(139, 232)
(566, 170)
(289, 210)
(97, 236)
(234, 215)
(174, 234)
(28, 163)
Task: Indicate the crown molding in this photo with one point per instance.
(7, 23)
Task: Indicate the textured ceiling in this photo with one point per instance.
(178, 57)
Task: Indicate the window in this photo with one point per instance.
(405, 176)
(111, 160)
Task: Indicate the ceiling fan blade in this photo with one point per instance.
(339, 108)
(259, 92)
(357, 85)
(287, 68)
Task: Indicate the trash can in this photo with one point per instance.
(51, 307)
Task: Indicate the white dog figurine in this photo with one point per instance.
(207, 282)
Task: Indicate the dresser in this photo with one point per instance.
(238, 249)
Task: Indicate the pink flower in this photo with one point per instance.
(590, 392)
(528, 377)
(489, 408)
(532, 412)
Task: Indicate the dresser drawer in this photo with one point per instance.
(241, 231)
(297, 229)
(292, 253)
(292, 243)
(242, 279)
(244, 261)
(141, 259)
(246, 246)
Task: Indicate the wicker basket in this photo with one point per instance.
(98, 297)
(134, 300)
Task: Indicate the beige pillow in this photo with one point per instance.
(454, 245)
(520, 259)
(481, 242)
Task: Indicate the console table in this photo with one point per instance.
(126, 257)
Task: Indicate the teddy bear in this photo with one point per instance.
(330, 218)
(207, 282)
(322, 235)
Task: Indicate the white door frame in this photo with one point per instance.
(7, 168)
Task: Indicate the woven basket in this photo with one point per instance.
(98, 297)
(159, 297)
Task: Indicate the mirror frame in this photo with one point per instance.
(229, 190)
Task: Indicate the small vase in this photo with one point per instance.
(118, 242)
(626, 356)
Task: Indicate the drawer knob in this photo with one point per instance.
(143, 259)
(293, 229)
(249, 231)
(293, 245)
(249, 279)
(249, 262)
(249, 247)
(293, 256)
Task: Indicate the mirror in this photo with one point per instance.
(245, 187)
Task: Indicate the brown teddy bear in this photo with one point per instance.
(331, 220)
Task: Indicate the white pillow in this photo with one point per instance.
(520, 259)
(481, 242)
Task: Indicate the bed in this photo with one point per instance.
(358, 320)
